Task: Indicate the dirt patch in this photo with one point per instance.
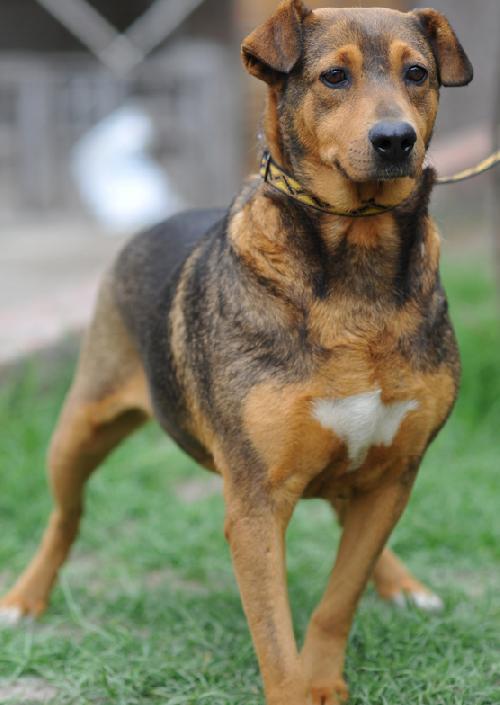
(26, 691)
(473, 583)
(84, 570)
(168, 577)
(195, 490)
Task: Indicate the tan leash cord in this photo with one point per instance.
(489, 163)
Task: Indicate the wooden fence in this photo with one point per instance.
(48, 103)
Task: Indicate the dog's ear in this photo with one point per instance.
(454, 66)
(273, 49)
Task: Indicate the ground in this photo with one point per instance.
(49, 272)
(147, 611)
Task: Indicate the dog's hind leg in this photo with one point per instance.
(395, 583)
(107, 401)
(393, 580)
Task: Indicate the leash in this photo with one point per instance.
(486, 165)
(278, 178)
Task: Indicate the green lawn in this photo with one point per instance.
(147, 611)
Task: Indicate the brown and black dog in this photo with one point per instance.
(294, 344)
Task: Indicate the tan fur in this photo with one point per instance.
(297, 446)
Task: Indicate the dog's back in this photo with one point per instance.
(146, 270)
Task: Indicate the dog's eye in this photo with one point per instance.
(416, 74)
(335, 78)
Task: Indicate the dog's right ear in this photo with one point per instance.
(454, 66)
(273, 49)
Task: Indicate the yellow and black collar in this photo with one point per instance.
(276, 177)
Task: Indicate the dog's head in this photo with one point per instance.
(353, 94)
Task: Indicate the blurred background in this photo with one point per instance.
(114, 114)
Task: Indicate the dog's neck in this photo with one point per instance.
(296, 248)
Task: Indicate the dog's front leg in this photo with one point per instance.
(368, 521)
(255, 529)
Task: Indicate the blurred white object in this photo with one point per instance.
(118, 181)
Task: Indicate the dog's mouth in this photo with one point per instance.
(394, 171)
(377, 172)
(378, 184)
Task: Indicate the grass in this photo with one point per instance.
(148, 611)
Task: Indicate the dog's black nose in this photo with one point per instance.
(393, 141)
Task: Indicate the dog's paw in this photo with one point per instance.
(422, 599)
(10, 616)
(15, 609)
(334, 693)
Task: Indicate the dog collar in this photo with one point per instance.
(277, 177)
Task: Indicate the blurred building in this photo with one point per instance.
(56, 85)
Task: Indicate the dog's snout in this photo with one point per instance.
(393, 141)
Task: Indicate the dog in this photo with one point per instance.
(299, 343)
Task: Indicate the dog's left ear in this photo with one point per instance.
(454, 66)
(272, 50)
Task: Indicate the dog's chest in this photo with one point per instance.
(348, 422)
(362, 421)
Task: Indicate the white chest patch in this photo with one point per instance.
(362, 421)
